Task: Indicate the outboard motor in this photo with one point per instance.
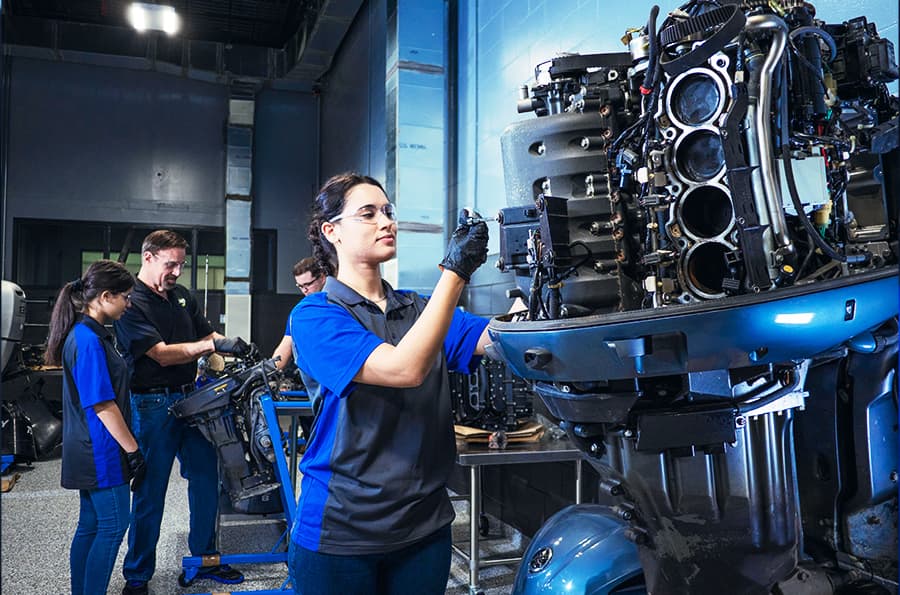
(12, 320)
(227, 412)
(584, 548)
(29, 429)
(704, 229)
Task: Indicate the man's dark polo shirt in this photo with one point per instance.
(151, 319)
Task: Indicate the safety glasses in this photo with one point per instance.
(369, 214)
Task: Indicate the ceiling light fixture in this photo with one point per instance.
(153, 17)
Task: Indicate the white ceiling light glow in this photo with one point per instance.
(153, 17)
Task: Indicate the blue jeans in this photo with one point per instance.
(421, 569)
(101, 526)
(162, 437)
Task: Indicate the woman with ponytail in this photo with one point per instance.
(374, 515)
(99, 454)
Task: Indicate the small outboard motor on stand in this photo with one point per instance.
(226, 410)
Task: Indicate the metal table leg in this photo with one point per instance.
(293, 447)
(474, 518)
(578, 478)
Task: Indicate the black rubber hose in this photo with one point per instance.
(820, 33)
(887, 337)
(625, 133)
(653, 53)
(746, 406)
(584, 260)
(246, 384)
(267, 366)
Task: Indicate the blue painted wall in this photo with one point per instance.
(417, 90)
(352, 99)
(285, 162)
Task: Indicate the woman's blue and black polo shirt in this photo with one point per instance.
(93, 372)
(378, 459)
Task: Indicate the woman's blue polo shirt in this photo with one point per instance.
(378, 458)
(93, 372)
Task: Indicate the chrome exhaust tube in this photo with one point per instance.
(763, 129)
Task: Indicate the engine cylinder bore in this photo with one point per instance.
(705, 269)
(706, 212)
(699, 156)
(695, 97)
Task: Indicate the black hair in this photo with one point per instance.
(103, 275)
(329, 204)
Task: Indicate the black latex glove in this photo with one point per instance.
(138, 468)
(467, 249)
(233, 345)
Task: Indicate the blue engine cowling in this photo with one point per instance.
(581, 549)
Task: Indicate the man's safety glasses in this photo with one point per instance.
(171, 265)
(304, 286)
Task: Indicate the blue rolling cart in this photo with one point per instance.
(286, 472)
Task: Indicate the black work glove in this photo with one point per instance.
(137, 467)
(467, 249)
(234, 345)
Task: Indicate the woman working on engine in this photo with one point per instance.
(374, 515)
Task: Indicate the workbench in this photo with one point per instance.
(476, 456)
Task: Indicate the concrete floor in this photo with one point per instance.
(39, 518)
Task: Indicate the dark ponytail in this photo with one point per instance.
(329, 203)
(103, 275)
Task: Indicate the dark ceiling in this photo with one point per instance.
(289, 40)
(266, 23)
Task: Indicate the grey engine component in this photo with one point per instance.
(704, 229)
(12, 325)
